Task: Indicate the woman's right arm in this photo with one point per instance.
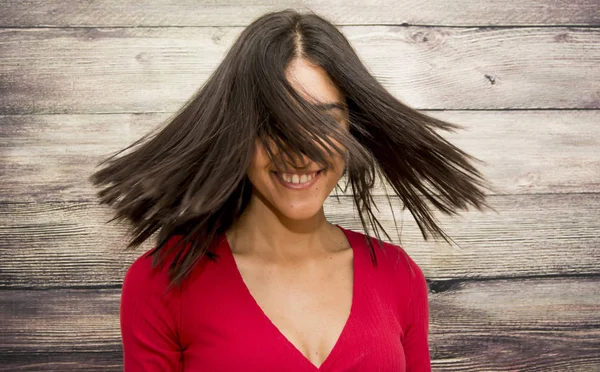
(149, 321)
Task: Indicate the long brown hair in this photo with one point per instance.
(189, 177)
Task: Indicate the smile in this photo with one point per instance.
(297, 181)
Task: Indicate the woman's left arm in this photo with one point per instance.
(416, 344)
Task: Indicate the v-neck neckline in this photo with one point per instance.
(356, 280)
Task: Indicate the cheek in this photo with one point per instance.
(259, 164)
(338, 159)
(340, 165)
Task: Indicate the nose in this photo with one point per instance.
(305, 163)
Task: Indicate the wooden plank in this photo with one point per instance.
(545, 324)
(14, 361)
(50, 157)
(474, 325)
(158, 69)
(68, 244)
(127, 13)
(60, 320)
(61, 330)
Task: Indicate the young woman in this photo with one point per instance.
(247, 274)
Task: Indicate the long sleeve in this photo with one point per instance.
(416, 345)
(149, 321)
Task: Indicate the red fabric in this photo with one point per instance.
(212, 323)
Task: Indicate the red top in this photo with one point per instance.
(212, 323)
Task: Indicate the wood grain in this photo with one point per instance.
(160, 13)
(518, 291)
(50, 157)
(61, 330)
(68, 244)
(65, 70)
(534, 324)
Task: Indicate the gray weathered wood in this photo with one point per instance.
(68, 244)
(157, 69)
(50, 157)
(520, 292)
(128, 13)
(62, 362)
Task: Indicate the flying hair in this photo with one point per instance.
(188, 177)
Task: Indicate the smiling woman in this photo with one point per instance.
(247, 273)
(300, 194)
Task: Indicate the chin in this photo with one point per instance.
(300, 211)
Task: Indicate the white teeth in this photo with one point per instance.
(295, 178)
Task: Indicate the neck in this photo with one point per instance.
(262, 231)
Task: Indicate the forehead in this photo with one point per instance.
(314, 84)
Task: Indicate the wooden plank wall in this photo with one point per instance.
(521, 292)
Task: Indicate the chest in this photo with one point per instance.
(233, 334)
(308, 305)
(240, 315)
